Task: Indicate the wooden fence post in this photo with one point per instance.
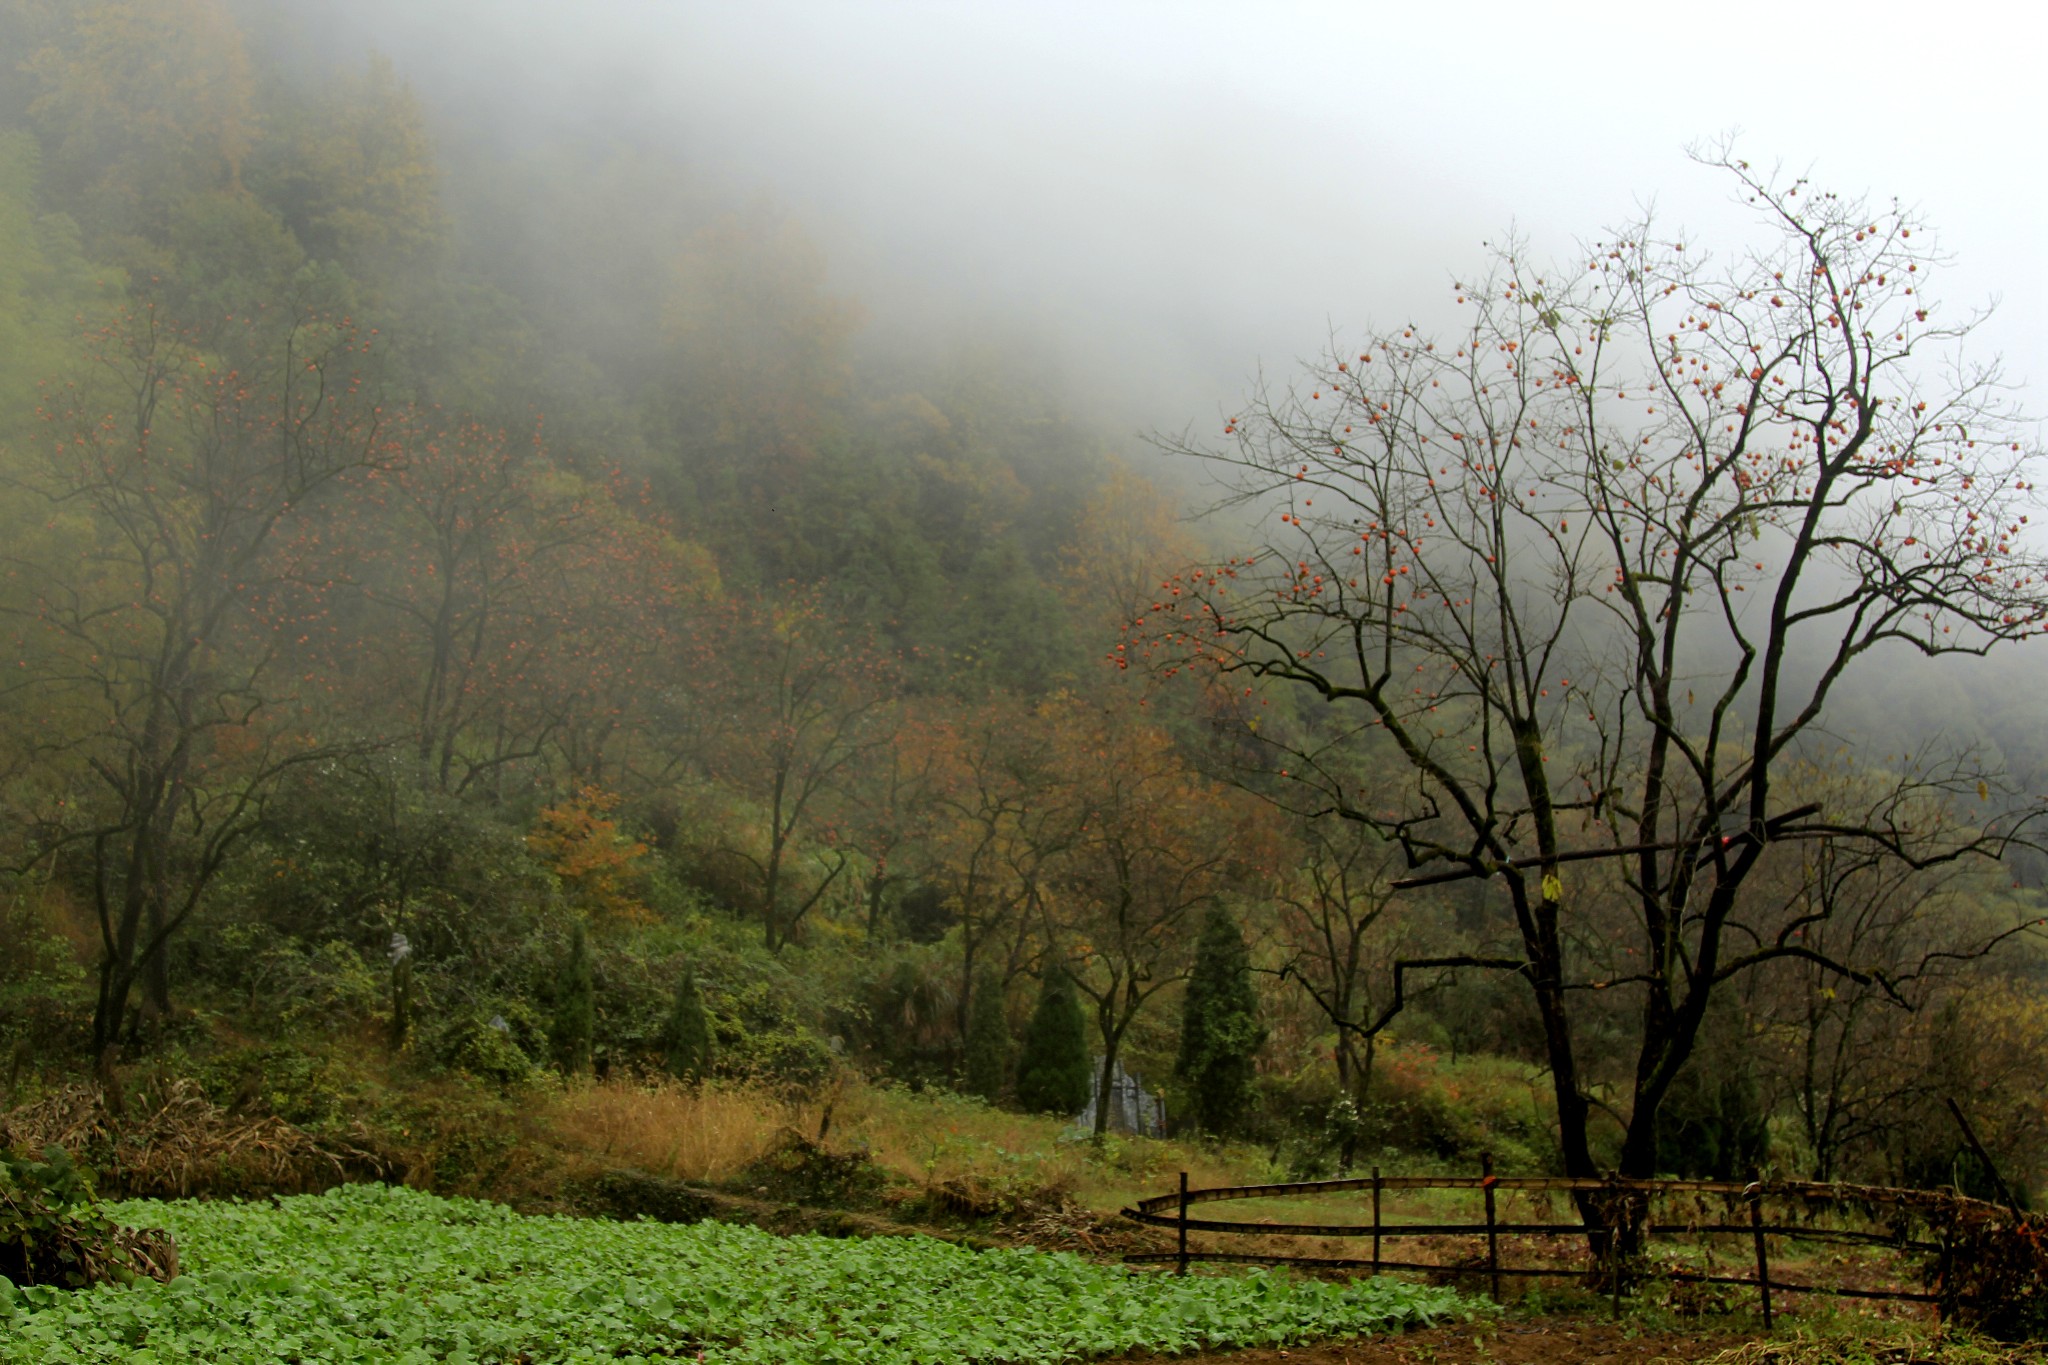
(1492, 1232)
(1763, 1264)
(1375, 1220)
(1182, 1263)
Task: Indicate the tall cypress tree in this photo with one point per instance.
(575, 1021)
(988, 1040)
(1220, 1033)
(686, 1038)
(1053, 1072)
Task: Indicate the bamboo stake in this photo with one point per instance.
(1763, 1264)
(1375, 1220)
(1492, 1229)
(1183, 1252)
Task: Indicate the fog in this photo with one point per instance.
(1176, 195)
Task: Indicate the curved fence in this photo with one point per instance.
(1966, 1249)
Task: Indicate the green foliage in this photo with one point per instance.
(575, 1016)
(1220, 1033)
(906, 1020)
(45, 286)
(351, 169)
(988, 1040)
(1713, 1125)
(474, 1043)
(369, 1273)
(230, 256)
(1053, 1069)
(687, 1044)
(1714, 1122)
(140, 106)
(946, 513)
(42, 985)
(294, 1082)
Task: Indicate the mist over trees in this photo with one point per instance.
(496, 602)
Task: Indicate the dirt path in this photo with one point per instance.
(1552, 1341)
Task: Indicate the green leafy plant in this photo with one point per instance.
(372, 1273)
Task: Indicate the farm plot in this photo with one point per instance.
(370, 1272)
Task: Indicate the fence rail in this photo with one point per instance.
(1897, 1209)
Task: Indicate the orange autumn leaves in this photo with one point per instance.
(597, 864)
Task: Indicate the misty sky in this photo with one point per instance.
(1182, 192)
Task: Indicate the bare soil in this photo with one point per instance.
(1548, 1341)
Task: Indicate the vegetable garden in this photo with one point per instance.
(370, 1272)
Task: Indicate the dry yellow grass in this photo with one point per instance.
(711, 1132)
(705, 1133)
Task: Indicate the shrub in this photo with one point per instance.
(1219, 1030)
(1053, 1072)
(575, 1019)
(686, 1038)
(482, 1048)
(988, 1040)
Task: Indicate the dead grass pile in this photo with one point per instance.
(1946, 1348)
(1064, 1225)
(177, 1144)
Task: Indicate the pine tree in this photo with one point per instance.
(575, 1008)
(988, 1040)
(1053, 1073)
(686, 1040)
(1219, 1029)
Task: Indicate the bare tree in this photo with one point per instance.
(151, 658)
(808, 705)
(1004, 814)
(1153, 842)
(1347, 945)
(1839, 1052)
(1589, 571)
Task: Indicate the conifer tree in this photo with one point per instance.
(569, 1032)
(686, 1039)
(1053, 1073)
(1219, 1028)
(988, 1040)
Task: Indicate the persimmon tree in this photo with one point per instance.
(1586, 572)
(146, 638)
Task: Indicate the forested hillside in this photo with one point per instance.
(485, 611)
